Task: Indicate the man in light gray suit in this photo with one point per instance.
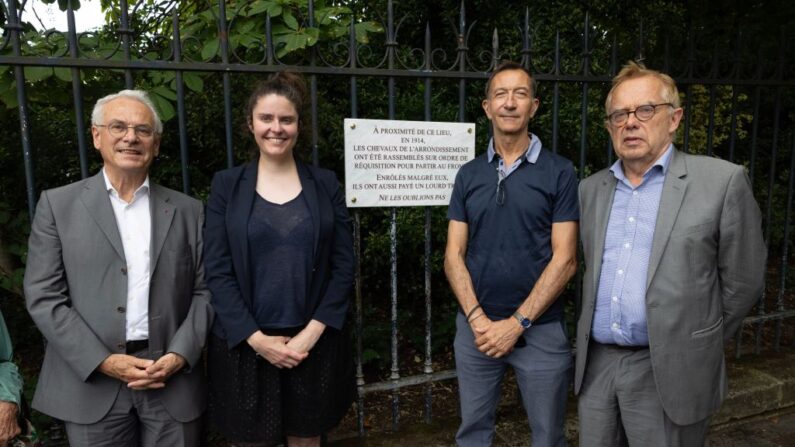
(115, 282)
(674, 260)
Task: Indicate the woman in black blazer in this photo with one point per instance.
(279, 263)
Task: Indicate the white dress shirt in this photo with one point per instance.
(134, 221)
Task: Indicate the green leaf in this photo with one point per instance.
(369, 355)
(234, 41)
(247, 26)
(165, 92)
(164, 107)
(312, 35)
(35, 74)
(364, 28)
(9, 98)
(261, 6)
(325, 16)
(339, 30)
(64, 4)
(251, 40)
(210, 49)
(290, 21)
(64, 74)
(4, 68)
(6, 84)
(281, 29)
(293, 42)
(194, 82)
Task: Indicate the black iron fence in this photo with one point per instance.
(739, 100)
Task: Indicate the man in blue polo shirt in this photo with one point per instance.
(511, 249)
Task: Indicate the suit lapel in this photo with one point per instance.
(242, 198)
(95, 199)
(670, 202)
(604, 203)
(309, 187)
(162, 215)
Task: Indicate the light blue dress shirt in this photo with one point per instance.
(620, 314)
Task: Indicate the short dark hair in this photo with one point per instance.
(510, 65)
(290, 85)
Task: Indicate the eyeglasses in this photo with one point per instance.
(642, 113)
(500, 196)
(119, 129)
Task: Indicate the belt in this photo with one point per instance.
(136, 346)
(622, 347)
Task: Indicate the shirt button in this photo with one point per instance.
(634, 193)
(626, 245)
(631, 219)
(120, 309)
(122, 346)
(620, 272)
(615, 299)
(124, 270)
(615, 325)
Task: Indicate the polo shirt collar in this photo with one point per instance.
(531, 154)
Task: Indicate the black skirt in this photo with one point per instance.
(253, 401)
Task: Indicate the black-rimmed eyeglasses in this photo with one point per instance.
(119, 129)
(642, 113)
(500, 196)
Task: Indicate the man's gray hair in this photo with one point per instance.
(98, 114)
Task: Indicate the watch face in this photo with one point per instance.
(526, 323)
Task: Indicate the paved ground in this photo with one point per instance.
(772, 430)
(759, 411)
(777, 430)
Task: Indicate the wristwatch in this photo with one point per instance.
(524, 321)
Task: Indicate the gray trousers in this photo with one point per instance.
(619, 404)
(543, 373)
(137, 418)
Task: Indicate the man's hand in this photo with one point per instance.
(480, 323)
(159, 372)
(275, 350)
(8, 422)
(125, 367)
(498, 338)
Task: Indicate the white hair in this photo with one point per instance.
(98, 114)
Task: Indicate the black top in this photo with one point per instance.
(227, 262)
(281, 242)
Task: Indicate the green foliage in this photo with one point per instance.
(291, 27)
(699, 103)
(199, 37)
(14, 229)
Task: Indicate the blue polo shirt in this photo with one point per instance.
(510, 244)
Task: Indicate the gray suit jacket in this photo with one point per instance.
(76, 292)
(706, 271)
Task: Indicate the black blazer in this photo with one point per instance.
(226, 251)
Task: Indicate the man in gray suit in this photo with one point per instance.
(115, 282)
(674, 260)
